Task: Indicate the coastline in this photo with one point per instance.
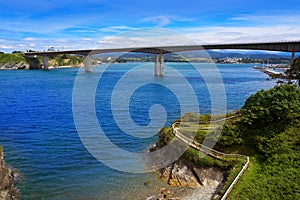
(8, 177)
(62, 67)
(186, 180)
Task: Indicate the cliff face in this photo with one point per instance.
(7, 176)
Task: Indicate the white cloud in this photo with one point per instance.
(218, 34)
(143, 38)
(271, 19)
(251, 28)
(6, 47)
(87, 39)
(39, 44)
(262, 28)
(29, 39)
(115, 29)
(159, 20)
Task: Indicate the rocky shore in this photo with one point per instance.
(189, 182)
(7, 178)
(180, 174)
(17, 65)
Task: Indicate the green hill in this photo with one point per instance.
(267, 130)
(17, 60)
(12, 58)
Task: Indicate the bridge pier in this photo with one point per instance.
(156, 65)
(45, 63)
(88, 63)
(161, 68)
(292, 61)
(293, 57)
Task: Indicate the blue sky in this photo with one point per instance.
(71, 24)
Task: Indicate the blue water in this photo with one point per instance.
(39, 136)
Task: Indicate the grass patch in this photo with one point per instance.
(247, 177)
(231, 175)
(12, 58)
(201, 160)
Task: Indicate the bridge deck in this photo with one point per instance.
(291, 46)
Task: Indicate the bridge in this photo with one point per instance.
(159, 51)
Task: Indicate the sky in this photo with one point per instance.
(87, 24)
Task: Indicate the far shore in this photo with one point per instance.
(59, 67)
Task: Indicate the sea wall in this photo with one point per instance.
(7, 179)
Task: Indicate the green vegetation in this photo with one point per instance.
(65, 60)
(201, 123)
(267, 130)
(12, 58)
(164, 137)
(294, 71)
(35, 62)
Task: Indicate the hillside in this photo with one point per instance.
(13, 61)
(65, 60)
(267, 130)
(17, 60)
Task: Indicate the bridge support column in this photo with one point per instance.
(45, 63)
(88, 63)
(292, 61)
(156, 65)
(161, 68)
(293, 57)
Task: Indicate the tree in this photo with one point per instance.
(268, 113)
(17, 52)
(294, 71)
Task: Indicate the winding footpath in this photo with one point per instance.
(212, 153)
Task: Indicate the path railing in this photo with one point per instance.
(212, 153)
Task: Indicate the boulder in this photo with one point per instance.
(182, 175)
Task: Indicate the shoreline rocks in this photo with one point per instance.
(180, 174)
(14, 66)
(7, 179)
(199, 183)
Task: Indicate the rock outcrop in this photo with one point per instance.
(18, 65)
(179, 174)
(210, 176)
(182, 175)
(7, 178)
